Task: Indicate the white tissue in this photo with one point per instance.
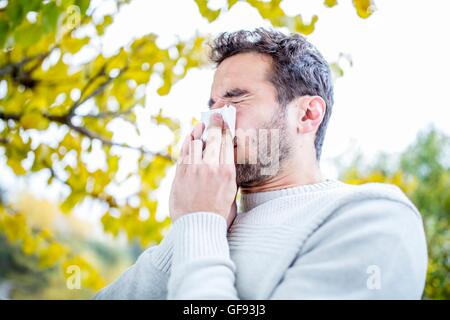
(228, 114)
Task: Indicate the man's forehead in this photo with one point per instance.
(242, 71)
(244, 64)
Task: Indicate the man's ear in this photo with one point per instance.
(311, 110)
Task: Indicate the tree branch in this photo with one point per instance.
(94, 93)
(87, 133)
(6, 117)
(93, 135)
(10, 67)
(108, 114)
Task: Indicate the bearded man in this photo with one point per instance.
(294, 234)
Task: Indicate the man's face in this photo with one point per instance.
(262, 139)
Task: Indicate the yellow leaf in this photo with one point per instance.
(16, 166)
(364, 8)
(118, 61)
(34, 120)
(96, 65)
(15, 227)
(29, 245)
(71, 142)
(336, 70)
(107, 20)
(50, 255)
(206, 12)
(72, 44)
(330, 3)
(110, 224)
(172, 124)
(303, 28)
(138, 75)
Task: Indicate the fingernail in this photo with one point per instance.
(217, 116)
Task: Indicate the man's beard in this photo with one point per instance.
(248, 174)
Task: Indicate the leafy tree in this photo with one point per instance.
(43, 92)
(28, 269)
(423, 173)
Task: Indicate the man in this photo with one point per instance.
(296, 235)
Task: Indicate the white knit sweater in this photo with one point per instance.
(328, 240)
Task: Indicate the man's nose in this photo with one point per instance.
(219, 105)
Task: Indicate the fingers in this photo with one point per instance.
(197, 131)
(194, 155)
(195, 152)
(195, 134)
(185, 147)
(211, 154)
(219, 144)
(227, 148)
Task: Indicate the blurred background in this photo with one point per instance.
(96, 95)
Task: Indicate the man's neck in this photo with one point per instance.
(292, 174)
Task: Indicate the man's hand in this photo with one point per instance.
(205, 180)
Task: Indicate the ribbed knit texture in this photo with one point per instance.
(162, 254)
(312, 241)
(200, 227)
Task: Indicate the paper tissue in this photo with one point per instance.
(228, 114)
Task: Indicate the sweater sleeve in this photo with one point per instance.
(372, 249)
(147, 278)
(201, 265)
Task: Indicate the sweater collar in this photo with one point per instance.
(251, 200)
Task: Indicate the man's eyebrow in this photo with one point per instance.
(232, 93)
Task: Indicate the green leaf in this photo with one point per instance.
(28, 34)
(50, 14)
(4, 29)
(31, 5)
(15, 12)
(83, 5)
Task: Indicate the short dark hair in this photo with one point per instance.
(298, 68)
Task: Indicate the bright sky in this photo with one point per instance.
(397, 86)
